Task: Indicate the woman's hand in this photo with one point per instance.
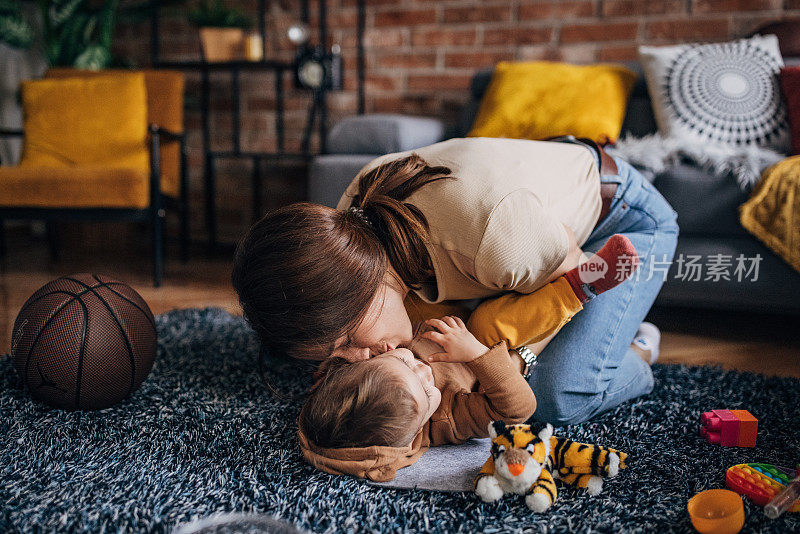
(452, 335)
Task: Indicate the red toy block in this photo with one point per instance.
(729, 428)
(720, 427)
(748, 428)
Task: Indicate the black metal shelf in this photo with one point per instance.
(226, 65)
(259, 154)
(235, 69)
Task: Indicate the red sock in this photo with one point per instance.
(612, 265)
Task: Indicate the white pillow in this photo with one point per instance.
(725, 93)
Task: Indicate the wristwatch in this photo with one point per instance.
(529, 358)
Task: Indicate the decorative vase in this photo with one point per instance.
(222, 44)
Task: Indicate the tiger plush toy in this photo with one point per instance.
(525, 461)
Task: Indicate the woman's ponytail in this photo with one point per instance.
(306, 273)
(400, 226)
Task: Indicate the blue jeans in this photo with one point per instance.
(589, 366)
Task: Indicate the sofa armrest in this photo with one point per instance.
(383, 133)
(7, 132)
(165, 134)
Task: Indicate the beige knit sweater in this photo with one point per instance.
(499, 226)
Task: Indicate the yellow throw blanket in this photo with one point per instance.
(772, 213)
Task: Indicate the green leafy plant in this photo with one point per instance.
(74, 33)
(14, 29)
(78, 34)
(215, 14)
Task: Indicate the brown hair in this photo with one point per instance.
(359, 404)
(306, 274)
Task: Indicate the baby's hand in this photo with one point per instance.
(458, 343)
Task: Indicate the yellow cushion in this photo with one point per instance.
(73, 187)
(165, 90)
(83, 121)
(772, 213)
(540, 99)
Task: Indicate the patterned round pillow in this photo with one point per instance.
(726, 93)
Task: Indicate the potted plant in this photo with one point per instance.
(70, 33)
(221, 30)
(74, 33)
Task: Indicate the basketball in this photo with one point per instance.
(84, 342)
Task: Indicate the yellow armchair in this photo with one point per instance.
(101, 145)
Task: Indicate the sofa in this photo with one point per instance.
(706, 203)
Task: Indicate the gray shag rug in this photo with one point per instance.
(205, 436)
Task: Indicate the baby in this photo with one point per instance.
(372, 417)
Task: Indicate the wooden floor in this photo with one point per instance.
(767, 344)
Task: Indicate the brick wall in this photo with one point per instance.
(420, 55)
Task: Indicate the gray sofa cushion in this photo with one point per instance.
(775, 289)
(706, 203)
(383, 133)
(329, 176)
(639, 119)
(477, 88)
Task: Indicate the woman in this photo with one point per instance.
(463, 219)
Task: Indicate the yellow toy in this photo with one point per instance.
(525, 461)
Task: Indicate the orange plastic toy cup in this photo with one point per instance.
(716, 511)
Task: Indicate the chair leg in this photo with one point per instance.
(256, 189)
(184, 205)
(3, 246)
(211, 214)
(53, 240)
(157, 227)
(184, 237)
(156, 211)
